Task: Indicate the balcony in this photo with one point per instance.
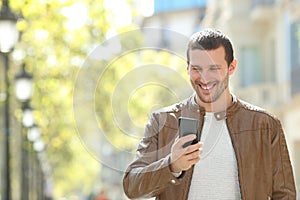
(266, 95)
(263, 10)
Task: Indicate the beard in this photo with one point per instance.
(215, 93)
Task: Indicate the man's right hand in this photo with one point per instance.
(183, 158)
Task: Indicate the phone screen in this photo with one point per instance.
(188, 126)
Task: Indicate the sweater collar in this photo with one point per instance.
(218, 115)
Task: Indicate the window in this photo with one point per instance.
(295, 58)
(250, 65)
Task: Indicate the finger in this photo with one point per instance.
(194, 147)
(194, 161)
(193, 155)
(186, 139)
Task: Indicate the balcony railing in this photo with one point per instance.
(263, 10)
(264, 3)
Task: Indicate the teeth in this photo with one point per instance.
(206, 87)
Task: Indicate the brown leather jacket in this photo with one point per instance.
(264, 167)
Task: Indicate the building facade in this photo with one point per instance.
(265, 34)
(184, 17)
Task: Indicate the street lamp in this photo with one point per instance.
(31, 140)
(9, 33)
(28, 119)
(23, 90)
(23, 84)
(8, 38)
(33, 133)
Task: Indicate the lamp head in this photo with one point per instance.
(9, 34)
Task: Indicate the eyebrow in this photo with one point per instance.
(213, 65)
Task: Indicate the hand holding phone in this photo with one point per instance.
(188, 126)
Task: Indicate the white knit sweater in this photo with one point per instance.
(215, 175)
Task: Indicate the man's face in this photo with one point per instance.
(209, 73)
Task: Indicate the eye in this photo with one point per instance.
(214, 68)
(195, 68)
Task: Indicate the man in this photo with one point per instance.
(242, 153)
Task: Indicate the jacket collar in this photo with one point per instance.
(218, 115)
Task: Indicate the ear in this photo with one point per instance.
(187, 69)
(232, 67)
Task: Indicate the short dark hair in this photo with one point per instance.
(210, 39)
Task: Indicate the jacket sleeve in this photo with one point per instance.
(283, 179)
(148, 175)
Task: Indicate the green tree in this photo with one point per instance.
(53, 44)
(57, 37)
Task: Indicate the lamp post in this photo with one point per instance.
(23, 89)
(8, 38)
(9, 33)
(32, 184)
(34, 137)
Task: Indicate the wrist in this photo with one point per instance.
(174, 169)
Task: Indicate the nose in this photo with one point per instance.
(204, 75)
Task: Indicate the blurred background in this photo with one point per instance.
(75, 91)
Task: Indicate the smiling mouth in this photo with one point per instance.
(207, 87)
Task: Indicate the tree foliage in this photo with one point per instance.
(53, 45)
(57, 37)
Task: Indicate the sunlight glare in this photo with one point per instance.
(121, 12)
(146, 7)
(77, 15)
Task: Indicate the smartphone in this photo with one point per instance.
(188, 126)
